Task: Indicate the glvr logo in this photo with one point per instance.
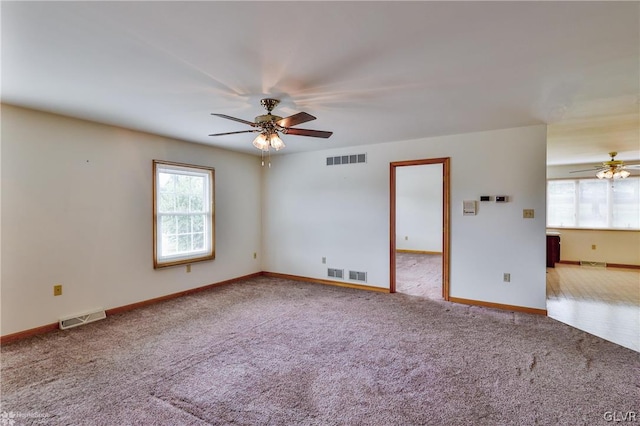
(620, 416)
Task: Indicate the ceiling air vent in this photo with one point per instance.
(346, 159)
(358, 276)
(335, 273)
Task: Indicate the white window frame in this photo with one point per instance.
(161, 260)
(610, 206)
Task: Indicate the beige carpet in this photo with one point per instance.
(419, 275)
(276, 352)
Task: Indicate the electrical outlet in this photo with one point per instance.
(506, 277)
(324, 260)
(57, 290)
(255, 255)
(406, 237)
(593, 246)
(527, 213)
(188, 268)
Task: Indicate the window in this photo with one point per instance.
(594, 203)
(183, 214)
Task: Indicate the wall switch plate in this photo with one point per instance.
(324, 260)
(506, 277)
(57, 290)
(188, 268)
(527, 213)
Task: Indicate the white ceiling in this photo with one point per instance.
(370, 71)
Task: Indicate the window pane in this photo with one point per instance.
(183, 203)
(626, 203)
(197, 203)
(592, 208)
(198, 241)
(167, 202)
(169, 245)
(184, 224)
(184, 243)
(197, 222)
(168, 225)
(166, 182)
(561, 203)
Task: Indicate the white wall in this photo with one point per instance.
(77, 211)
(342, 213)
(419, 208)
(612, 246)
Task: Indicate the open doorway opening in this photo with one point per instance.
(419, 255)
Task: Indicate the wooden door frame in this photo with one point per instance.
(446, 219)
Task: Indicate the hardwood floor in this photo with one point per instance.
(601, 301)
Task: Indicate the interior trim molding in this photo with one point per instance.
(325, 282)
(499, 306)
(446, 219)
(417, 251)
(612, 265)
(125, 308)
(9, 338)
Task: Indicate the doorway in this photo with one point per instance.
(444, 220)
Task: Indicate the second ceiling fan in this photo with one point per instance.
(268, 126)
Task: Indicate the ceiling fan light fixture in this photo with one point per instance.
(622, 174)
(261, 142)
(275, 142)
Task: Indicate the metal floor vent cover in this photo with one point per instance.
(76, 320)
(594, 264)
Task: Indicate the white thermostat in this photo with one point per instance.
(469, 208)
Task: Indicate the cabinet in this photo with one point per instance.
(553, 249)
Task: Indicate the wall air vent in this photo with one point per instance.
(76, 320)
(346, 159)
(335, 273)
(358, 276)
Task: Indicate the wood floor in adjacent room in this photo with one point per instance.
(602, 301)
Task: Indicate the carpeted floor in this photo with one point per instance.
(276, 352)
(419, 274)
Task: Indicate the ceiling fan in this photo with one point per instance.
(612, 169)
(268, 126)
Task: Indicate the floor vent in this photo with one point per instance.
(335, 273)
(358, 276)
(346, 159)
(594, 264)
(77, 320)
